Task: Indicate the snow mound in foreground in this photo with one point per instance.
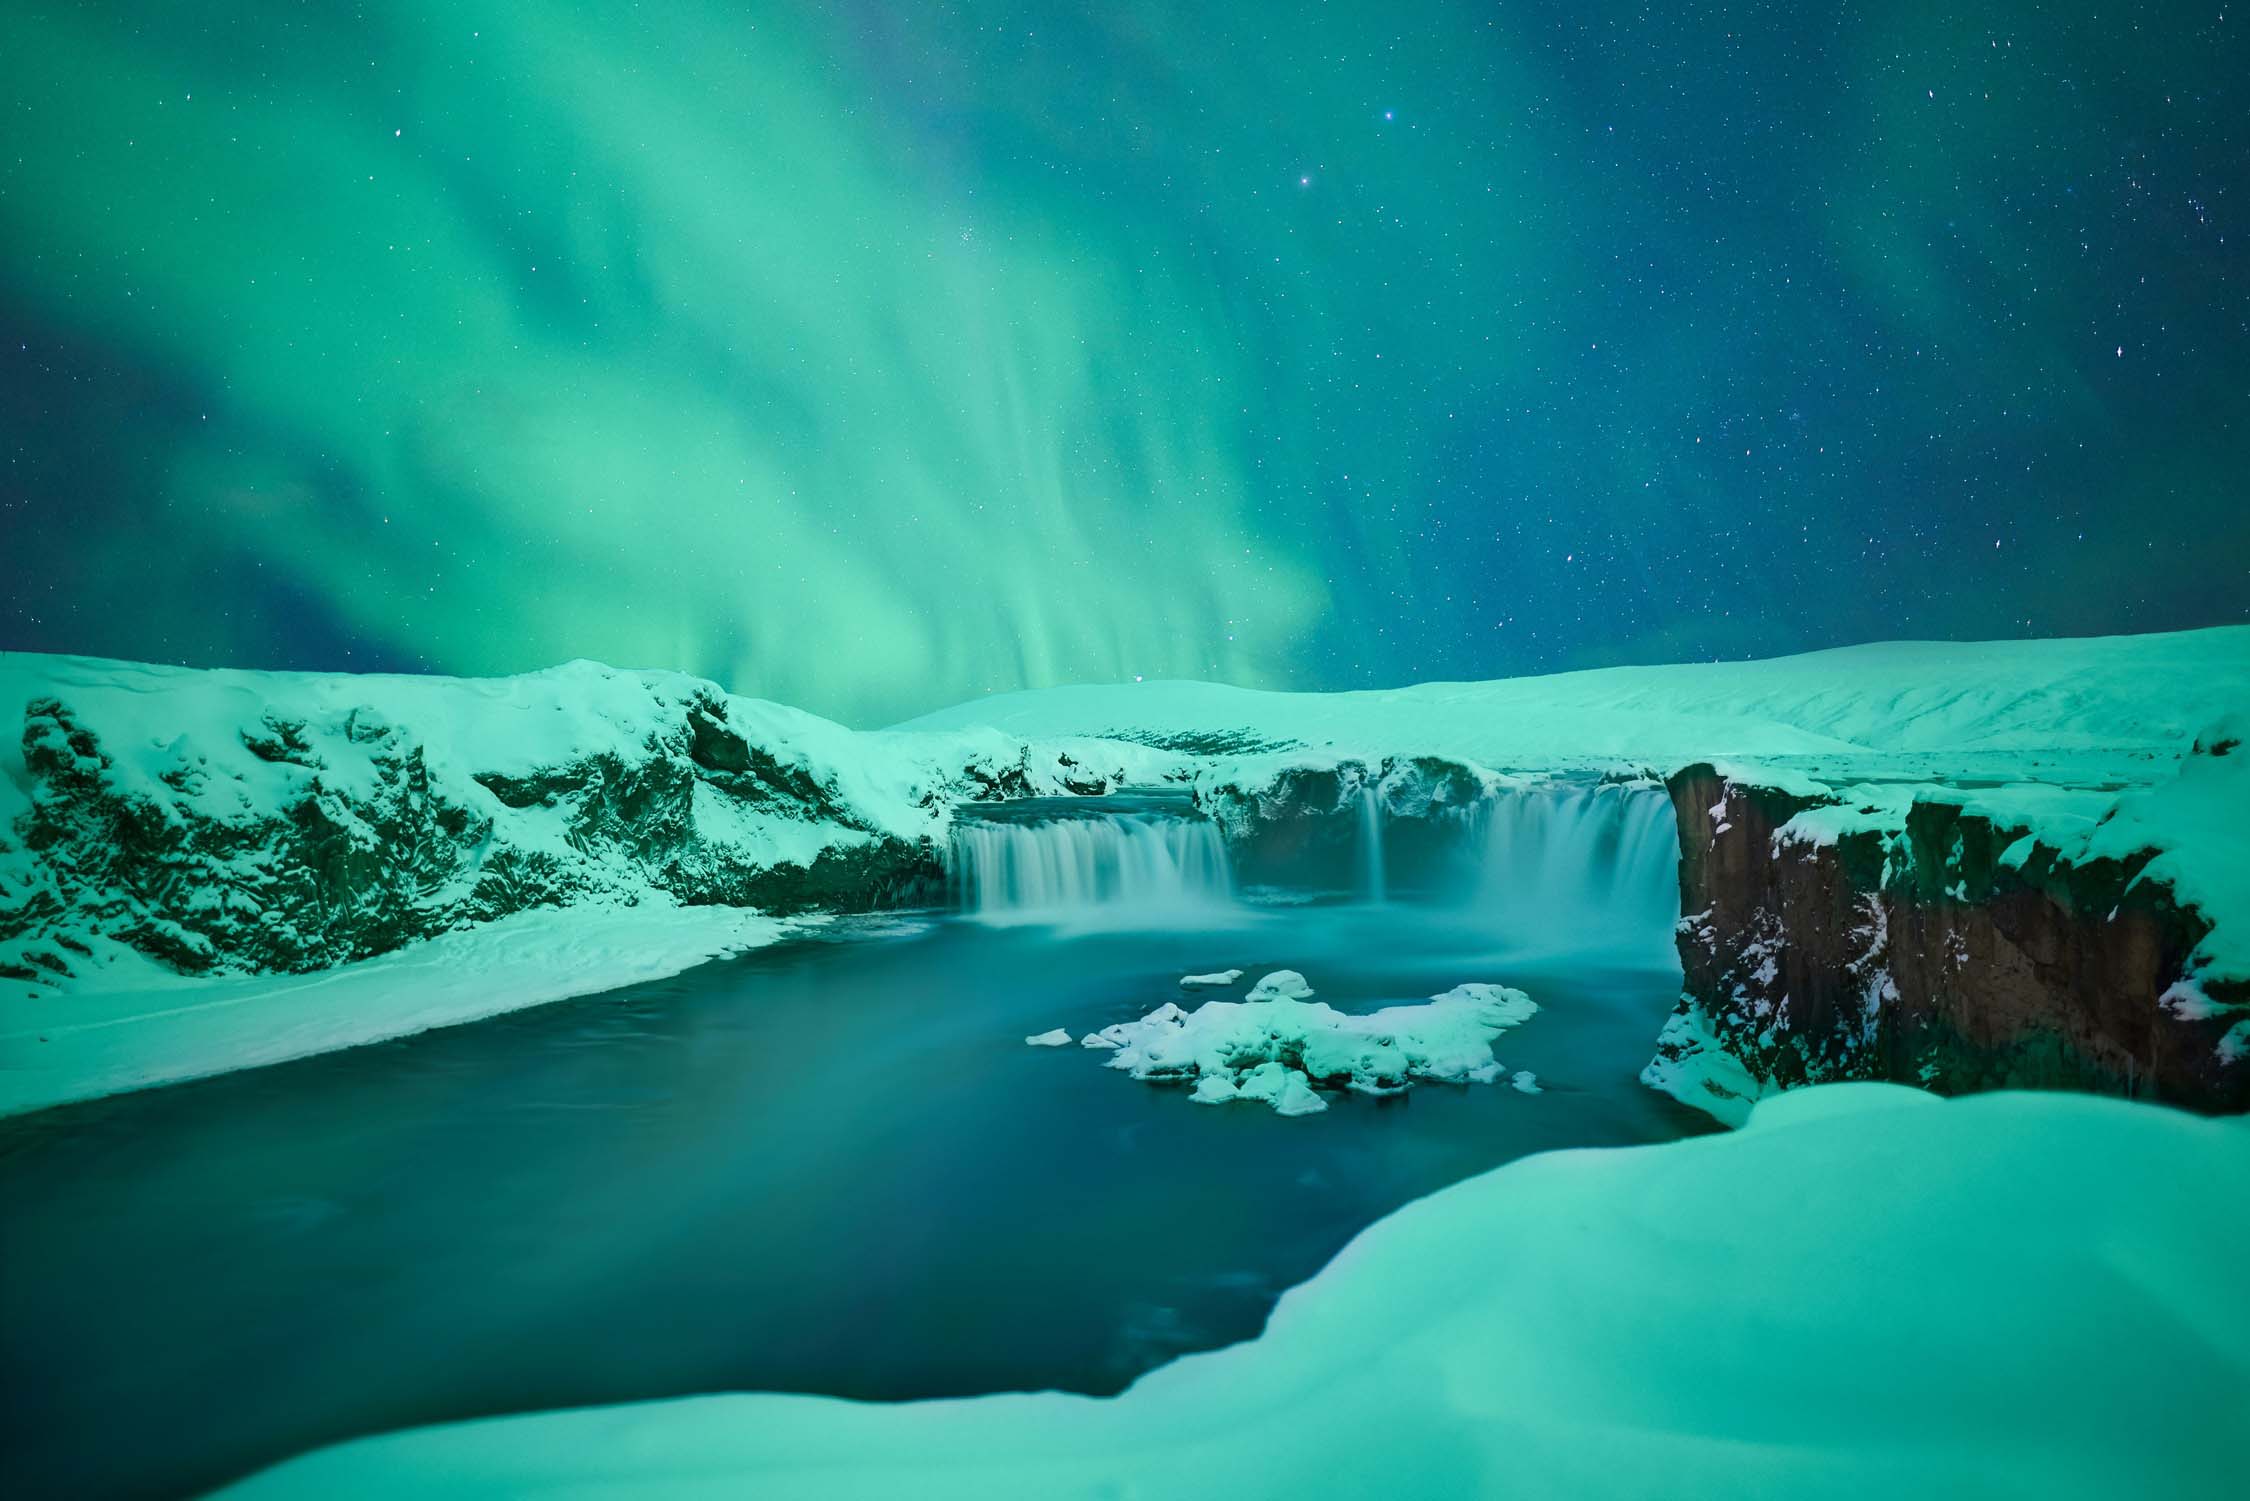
(1868, 1293)
(1275, 1050)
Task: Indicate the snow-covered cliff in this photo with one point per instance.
(1965, 938)
(242, 822)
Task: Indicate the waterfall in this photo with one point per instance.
(1108, 866)
(1563, 862)
(1370, 845)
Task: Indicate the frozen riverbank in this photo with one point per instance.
(143, 1026)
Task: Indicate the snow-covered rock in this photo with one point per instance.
(1281, 985)
(1276, 1050)
(1272, 1083)
(1215, 978)
(1963, 938)
(1055, 1038)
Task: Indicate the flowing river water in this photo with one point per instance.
(829, 1166)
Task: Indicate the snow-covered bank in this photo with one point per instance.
(145, 1026)
(1868, 1292)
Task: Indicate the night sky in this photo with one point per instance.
(873, 356)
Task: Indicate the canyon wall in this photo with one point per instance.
(1949, 948)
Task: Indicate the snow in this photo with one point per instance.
(1272, 1083)
(2101, 707)
(151, 718)
(1868, 1293)
(1056, 1038)
(155, 722)
(2199, 824)
(1216, 977)
(2193, 813)
(1694, 1067)
(1527, 1082)
(141, 1025)
(1281, 985)
(1274, 1048)
(2061, 815)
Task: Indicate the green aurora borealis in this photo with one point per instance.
(869, 357)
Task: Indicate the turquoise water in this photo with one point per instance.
(831, 1166)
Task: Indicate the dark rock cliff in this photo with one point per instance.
(355, 859)
(1944, 951)
(1301, 825)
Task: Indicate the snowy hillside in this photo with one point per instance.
(238, 821)
(2093, 709)
(1866, 1293)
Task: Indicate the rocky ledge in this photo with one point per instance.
(1937, 942)
(235, 822)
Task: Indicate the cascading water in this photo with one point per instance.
(1106, 867)
(1370, 846)
(1565, 863)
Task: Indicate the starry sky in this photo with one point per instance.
(872, 356)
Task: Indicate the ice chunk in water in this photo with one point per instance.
(1281, 985)
(1276, 1051)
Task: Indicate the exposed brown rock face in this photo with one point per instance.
(344, 869)
(1917, 955)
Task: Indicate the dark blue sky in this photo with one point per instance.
(873, 356)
